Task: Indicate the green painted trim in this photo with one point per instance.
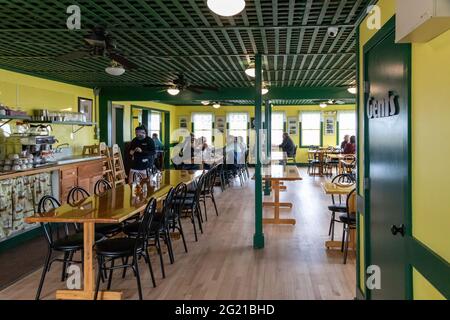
(258, 238)
(321, 133)
(19, 239)
(434, 268)
(105, 118)
(167, 143)
(337, 133)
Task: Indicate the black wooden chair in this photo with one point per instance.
(349, 220)
(127, 247)
(174, 214)
(60, 239)
(101, 187)
(338, 205)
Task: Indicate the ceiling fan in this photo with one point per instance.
(181, 84)
(99, 43)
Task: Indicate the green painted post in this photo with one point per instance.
(268, 128)
(258, 238)
(105, 119)
(167, 140)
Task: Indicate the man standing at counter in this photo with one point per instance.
(142, 151)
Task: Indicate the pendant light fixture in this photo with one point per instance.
(173, 91)
(352, 90)
(226, 8)
(264, 91)
(205, 102)
(251, 71)
(115, 69)
(323, 105)
(216, 105)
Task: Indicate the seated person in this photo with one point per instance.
(288, 146)
(350, 148)
(346, 140)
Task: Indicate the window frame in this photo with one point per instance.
(247, 130)
(301, 129)
(338, 125)
(212, 125)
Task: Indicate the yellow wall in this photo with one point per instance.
(290, 111)
(430, 144)
(19, 91)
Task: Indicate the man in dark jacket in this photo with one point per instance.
(142, 150)
(288, 145)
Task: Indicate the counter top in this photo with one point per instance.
(49, 167)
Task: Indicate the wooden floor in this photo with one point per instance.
(223, 265)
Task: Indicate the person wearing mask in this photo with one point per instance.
(346, 140)
(142, 151)
(350, 148)
(288, 145)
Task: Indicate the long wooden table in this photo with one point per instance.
(114, 206)
(276, 174)
(336, 189)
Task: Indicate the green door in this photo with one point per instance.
(119, 128)
(387, 100)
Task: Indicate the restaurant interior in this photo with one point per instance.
(224, 150)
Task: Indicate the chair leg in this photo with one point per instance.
(204, 206)
(64, 266)
(138, 276)
(125, 269)
(150, 268)
(346, 245)
(199, 214)
(169, 246)
(99, 275)
(193, 224)
(44, 272)
(111, 274)
(343, 237)
(180, 228)
(161, 260)
(214, 202)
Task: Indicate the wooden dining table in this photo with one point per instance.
(276, 174)
(114, 206)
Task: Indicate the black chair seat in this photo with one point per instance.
(73, 242)
(132, 229)
(348, 220)
(108, 228)
(338, 208)
(119, 247)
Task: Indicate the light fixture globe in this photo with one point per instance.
(264, 91)
(173, 91)
(115, 69)
(352, 90)
(216, 105)
(251, 72)
(205, 102)
(323, 105)
(226, 8)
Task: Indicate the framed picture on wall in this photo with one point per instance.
(85, 107)
(183, 122)
(292, 126)
(329, 126)
(220, 123)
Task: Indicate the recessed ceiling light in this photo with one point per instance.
(352, 90)
(216, 105)
(226, 8)
(323, 105)
(205, 103)
(173, 91)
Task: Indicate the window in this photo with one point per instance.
(155, 123)
(237, 125)
(310, 135)
(203, 126)
(277, 128)
(347, 124)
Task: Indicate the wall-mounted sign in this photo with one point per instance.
(329, 126)
(382, 108)
(220, 123)
(293, 126)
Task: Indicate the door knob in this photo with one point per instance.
(401, 229)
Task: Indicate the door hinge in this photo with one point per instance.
(366, 183)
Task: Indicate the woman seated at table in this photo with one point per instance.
(345, 142)
(350, 147)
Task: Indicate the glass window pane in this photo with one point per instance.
(311, 137)
(310, 120)
(347, 124)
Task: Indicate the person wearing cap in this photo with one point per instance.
(142, 151)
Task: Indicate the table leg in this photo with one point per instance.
(88, 273)
(338, 244)
(276, 205)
